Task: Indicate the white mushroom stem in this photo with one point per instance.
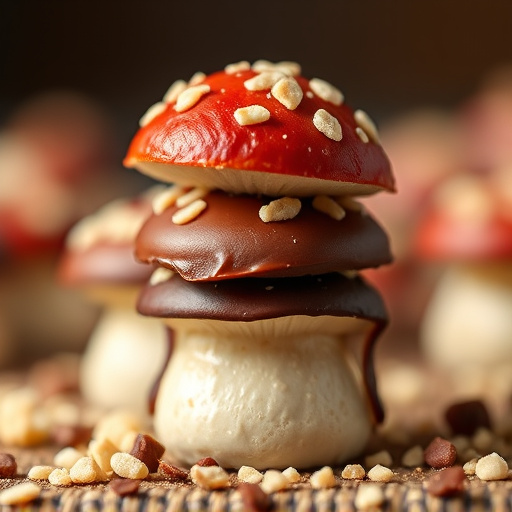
(264, 402)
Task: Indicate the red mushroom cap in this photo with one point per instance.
(285, 154)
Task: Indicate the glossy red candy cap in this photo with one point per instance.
(261, 129)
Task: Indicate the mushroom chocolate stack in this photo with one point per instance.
(258, 243)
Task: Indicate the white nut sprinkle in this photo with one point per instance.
(86, 471)
(166, 199)
(284, 208)
(263, 81)
(369, 496)
(39, 472)
(292, 475)
(288, 92)
(236, 67)
(191, 196)
(288, 67)
(353, 472)
(326, 91)
(160, 275)
(189, 212)
(250, 475)
(362, 135)
(364, 121)
(274, 481)
(327, 124)
(349, 203)
(101, 451)
(20, 494)
(67, 457)
(380, 473)
(492, 467)
(152, 112)
(329, 206)
(414, 457)
(209, 477)
(323, 478)
(470, 467)
(60, 477)
(128, 466)
(197, 78)
(190, 97)
(252, 114)
(174, 91)
(383, 457)
(114, 426)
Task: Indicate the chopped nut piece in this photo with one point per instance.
(151, 113)
(470, 467)
(209, 477)
(327, 124)
(380, 473)
(166, 199)
(174, 91)
(323, 478)
(446, 482)
(383, 457)
(86, 471)
(362, 135)
(287, 67)
(369, 496)
(191, 196)
(147, 449)
(263, 81)
(20, 494)
(39, 472)
(160, 275)
(172, 472)
(288, 92)
(326, 91)
(254, 114)
(492, 467)
(114, 426)
(207, 461)
(189, 212)
(250, 475)
(329, 206)
(236, 67)
(101, 451)
(440, 453)
(349, 203)
(128, 466)
(190, 97)
(284, 208)
(197, 78)
(124, 486)
(353, 472)
(8, 465)
(364, 121)
(292, 475)
(67, 457)
(274, 481)
(413, 457)
(60, 477)
(254, 498)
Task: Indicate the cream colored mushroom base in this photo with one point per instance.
(468, 323)
(266, 402)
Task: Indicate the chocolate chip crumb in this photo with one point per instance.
(446, 482)
(466, 418)
(147, 449)
(254, 498)
(124, 486)
(172, 472)
(440, 453)
(207, 461)
(8, 466)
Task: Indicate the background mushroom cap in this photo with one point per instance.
(286, 154)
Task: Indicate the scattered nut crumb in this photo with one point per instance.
(196, 78)
(20, 494)
(189, 197)
(86, 471)
(274, 481)
(236, 67)
(383, 457)
(263, 81)
(67, 457)
(39, 472)
(364, 121)
(166, 199)
(323, 478)
(470, 467)
(380, 473)
(292, 475)
(353, 472)
(160, 275)
(326, 91)
(327, 124)
(492, 467)
(189, 212)
(60, 477)
(281, 209)
(174, 91)
(209, 477)
(287, 67)
(115, 425)
(288, 92)
(329, 206)
(250, 475)
(362, 135)
(128, 466)
(152, 112)
(190, 97)
(252, 114)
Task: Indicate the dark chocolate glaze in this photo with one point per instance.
(103, 264)
(228, 240)
(250, 299)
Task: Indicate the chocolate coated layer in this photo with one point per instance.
(228, 240)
